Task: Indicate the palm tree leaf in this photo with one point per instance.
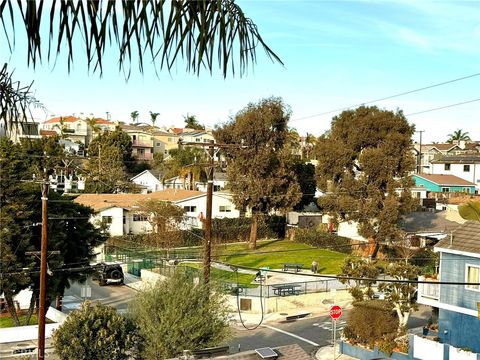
(470, 210)
(189, 30)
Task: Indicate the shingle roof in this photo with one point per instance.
(465, 238)
(129, 201)
(288, 352)
(460, 159)
(442, 179)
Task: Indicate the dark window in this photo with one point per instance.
(190, 208)
(106, 219)
(466, 168)
(139, 217)
(445, 189)
(447, 166)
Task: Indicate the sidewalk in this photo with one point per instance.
(326, 353)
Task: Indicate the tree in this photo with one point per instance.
(364, 271)
(165, 219)
(470, 210)
(191, 122)
(92, 123)
(153, 117)
(186, 163)
(176, 315)
(458, 135)
(306, 179)
(310, 142)
(164, 31)
(134, 115)
(259, 169)
(401, 295)
(98, 332)
(364, 167)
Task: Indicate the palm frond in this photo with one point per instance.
(16, 101)
(199, 32)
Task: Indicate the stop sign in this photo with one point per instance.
(335, 312)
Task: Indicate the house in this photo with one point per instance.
(430, 152)
(198, 136)
(466, 167)
(164, 142)
(142, 142)
(443, 183)
(122, 213)
(21, 130)
(458, 303)
(149, 181)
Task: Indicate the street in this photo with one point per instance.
(310, 332)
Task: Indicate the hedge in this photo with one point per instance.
(322, 239)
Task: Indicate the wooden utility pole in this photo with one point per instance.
(43, 273)
(208, 220)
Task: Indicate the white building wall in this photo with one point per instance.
(116, 213)
(148, 180)
(457, 169)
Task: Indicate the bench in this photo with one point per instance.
(209, 352)
(296, 267)
(286, 289)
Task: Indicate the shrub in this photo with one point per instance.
(96, 332)
(386, 346)
(322, 239)
(176, 315)
(369, 321)
(238, 229)
(426, 260)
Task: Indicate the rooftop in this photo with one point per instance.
(442, 179)
(465, 238)
(460, 159)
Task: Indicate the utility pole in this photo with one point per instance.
(208, 216)
(419, 161)
(43, 272)
(208, 219)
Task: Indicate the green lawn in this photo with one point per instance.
(6, 321)
(276, 253)
(225, 276)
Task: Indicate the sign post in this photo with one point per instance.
(335, 313)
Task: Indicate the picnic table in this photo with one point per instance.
(296, 267)
(286, 289)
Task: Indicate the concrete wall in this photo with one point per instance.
(281, 303)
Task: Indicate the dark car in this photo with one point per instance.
(109, 274)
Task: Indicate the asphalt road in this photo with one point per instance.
(310, 332)
(117, 296)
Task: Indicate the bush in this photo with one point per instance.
(176, 315)
(96, 332)
(369, 321)
(426, 260)
(238, 229)
(322, 239)
(386, 346)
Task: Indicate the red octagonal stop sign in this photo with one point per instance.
(335, 312)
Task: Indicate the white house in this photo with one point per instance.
(466, 167)
(122, 214)
(148, 180)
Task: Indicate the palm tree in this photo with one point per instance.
(153, 117)
(310, 142)
(134, 115)
(163, 30)
(470, 210)
(191, 122)
(61, 126)
(458, 135)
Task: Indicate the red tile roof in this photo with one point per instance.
(103, 121)
(65, 119)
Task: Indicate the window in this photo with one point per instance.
(472, 275)
(447, 167)
(190, 208)
(170, 139)
(225, 208)
(445, 189)
(466, 190)
(217, 188)
(106, 220)
(159, 144)
(139, 217)
(198, 140)
(466, 168)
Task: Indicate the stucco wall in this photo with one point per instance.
(459, 330)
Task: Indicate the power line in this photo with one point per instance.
(443, 107)
(389, 97)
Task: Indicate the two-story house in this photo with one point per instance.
(142, 142)
(164, 142)
(466, 166)
(443, 183)
(456, 292)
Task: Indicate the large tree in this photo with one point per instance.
(260, 162)
(187, 163)
(191, 122)
(364, 167)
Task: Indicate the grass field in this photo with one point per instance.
(6, 321)
(225, 276)
(276, 253)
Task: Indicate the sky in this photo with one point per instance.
(336, 54)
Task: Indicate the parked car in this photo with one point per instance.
(109, 274)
